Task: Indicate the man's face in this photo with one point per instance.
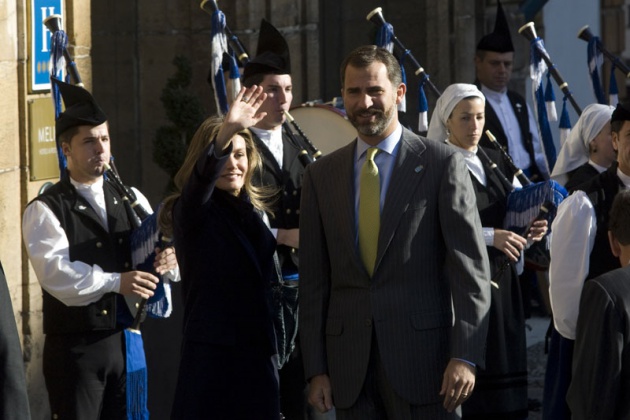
(494, 69)
(621, 143)
(279, 90)
(87, 153)
(370, 101)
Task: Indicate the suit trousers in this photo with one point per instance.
(379, 401)
(85, 375)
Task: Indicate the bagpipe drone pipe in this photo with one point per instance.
(534, 201)
(144, 235)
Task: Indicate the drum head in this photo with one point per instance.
(325, 126)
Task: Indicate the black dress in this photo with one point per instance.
(501, 388)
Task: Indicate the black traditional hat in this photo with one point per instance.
(621, 112)
(272, 55)
(80, 108)
(500, 39)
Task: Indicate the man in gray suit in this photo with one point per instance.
(397, 334)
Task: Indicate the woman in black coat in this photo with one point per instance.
(225, 251)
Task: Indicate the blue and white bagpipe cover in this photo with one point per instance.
(523, 206)
(144, 240)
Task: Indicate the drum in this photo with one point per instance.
(325, 126)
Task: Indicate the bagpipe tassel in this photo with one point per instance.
(235, 78)
(219, 47)
(58, 44)
(537, 70)
(565, 123)
(613, 90)
(550, 100)
(137, 381)
(595, 59)
(402, 106)
(385, 37)
(423, 109)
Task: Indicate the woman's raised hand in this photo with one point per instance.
(243, 113)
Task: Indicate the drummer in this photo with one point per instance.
(281, 168)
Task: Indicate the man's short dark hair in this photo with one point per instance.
(619, 216)
(255, 79)
(364, 56)
(66, 136)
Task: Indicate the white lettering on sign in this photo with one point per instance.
(46, 134)
(45, 37)
(48, 151)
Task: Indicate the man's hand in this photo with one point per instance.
(457, 384)
(319, 393)
(165, 260)
(538, 230)
(138, 283)
(289, 237)
(509, 243)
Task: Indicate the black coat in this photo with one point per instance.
(225, 255)
(13, 396)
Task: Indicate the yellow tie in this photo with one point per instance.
(369, 210)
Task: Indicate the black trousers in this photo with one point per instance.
(85, 375)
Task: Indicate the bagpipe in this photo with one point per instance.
(224, 40)
(595, 52)
(144, 236)
(534, 201)
(545, 99)
(284, 292)
(387, 39)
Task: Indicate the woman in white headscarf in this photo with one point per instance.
(588, 151)
(501, 387)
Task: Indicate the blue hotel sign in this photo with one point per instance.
(40, 42)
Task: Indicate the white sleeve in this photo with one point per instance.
(74, 283)
(572, 239)
(539, 153)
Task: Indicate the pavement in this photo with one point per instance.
(536, 328)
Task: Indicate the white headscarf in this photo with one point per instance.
(445, 105)
(575, 151)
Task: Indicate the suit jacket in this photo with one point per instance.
(431, 258)
(601, 360)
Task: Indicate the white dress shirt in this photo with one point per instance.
(572, 241)
(74, 283)
(273, 140)
(502, 106)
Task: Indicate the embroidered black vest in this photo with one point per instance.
(92, 244)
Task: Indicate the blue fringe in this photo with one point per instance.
(136, 377)
(524, 204)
